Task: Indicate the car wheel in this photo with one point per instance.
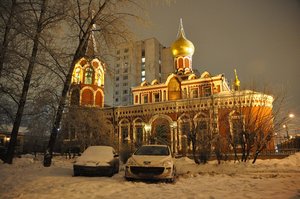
(111, 172)
(116, 169)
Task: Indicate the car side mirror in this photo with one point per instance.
(116, 155)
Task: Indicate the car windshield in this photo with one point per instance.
(153, 150)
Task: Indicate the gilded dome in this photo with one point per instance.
(182, 46)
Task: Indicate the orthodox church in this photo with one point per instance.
(183, 109)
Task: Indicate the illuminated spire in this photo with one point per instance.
(237, 82)
(180, 30)
(91, 48)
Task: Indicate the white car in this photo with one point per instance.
(151, 162)
(97, 160)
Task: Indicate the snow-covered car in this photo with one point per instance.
(97, 160)
(151, 162)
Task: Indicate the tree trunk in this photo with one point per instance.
(80, 52)
(21, 105)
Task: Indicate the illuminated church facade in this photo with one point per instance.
(168, 111)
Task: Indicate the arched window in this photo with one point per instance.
(180, 63)
(99, 77)
(88, 76)
(87, 97)
(186, 62)
(99, 99)
(77, 75)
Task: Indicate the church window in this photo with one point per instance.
(207, 91)
(180, 63)
(186, 63)
(88, 76)
(77, 75)
(145, 98)
(194, 93)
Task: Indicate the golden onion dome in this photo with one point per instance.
(182, 46)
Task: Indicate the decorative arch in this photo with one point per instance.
(139, 136)
(154, 82)
(144, 83)
(192, 76)
(205, 74)
(124, 131)
(87, 96)
(99, 98)
(161, 129)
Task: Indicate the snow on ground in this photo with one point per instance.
(275, 178)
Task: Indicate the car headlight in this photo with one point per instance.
(130, 161)
(168, 163)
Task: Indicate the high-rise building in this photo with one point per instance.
(135, 62)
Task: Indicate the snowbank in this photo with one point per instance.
(27, 178)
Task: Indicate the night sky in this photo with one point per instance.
(260, 38)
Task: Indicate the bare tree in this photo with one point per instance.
(41, 16)
(111, 20)
(251, 128)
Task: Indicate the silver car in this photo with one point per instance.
(97, 160)
(151, 162)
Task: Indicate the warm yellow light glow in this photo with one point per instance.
(284, 126)
(291, 115)
(147, 127)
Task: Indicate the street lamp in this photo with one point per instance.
(285, 126)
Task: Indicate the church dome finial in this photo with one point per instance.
(237, 82)
(182, 46)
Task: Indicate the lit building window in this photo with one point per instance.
(143, 59)
(88, 76)
(143, 79)
(207, 91)
(145, 98)
(195, 93)
(143, 73)
(156, 97)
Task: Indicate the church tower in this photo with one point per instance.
(182, 50)
(87, 85)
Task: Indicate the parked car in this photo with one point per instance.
(97, 160)
(151, 162)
